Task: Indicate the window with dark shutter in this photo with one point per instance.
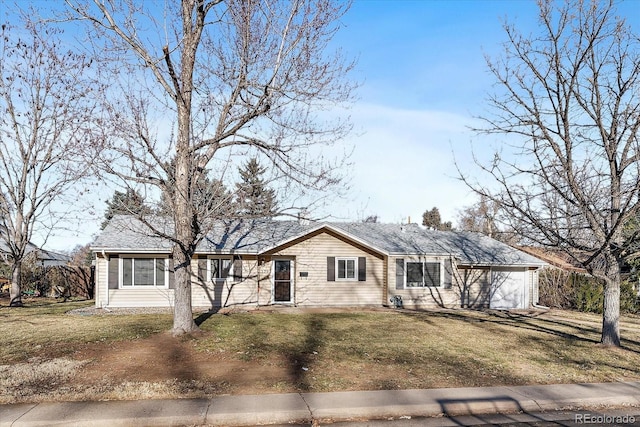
(138, 271)
(420, 274)
(172, 275)
(237, 268)
(432, 274)
(362, 269)
(114, 271)
(448, 273)
(331, 269)
(202, 270)
(400, 273)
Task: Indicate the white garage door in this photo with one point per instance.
(509, 289)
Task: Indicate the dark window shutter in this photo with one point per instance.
(448, 273)
(114, 272)
(172, 275)
(331, 269)
(202, 269)
(237, 268)
(400, 273)
(362, 269)
(432, 273)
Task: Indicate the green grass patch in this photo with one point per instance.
(43, 329)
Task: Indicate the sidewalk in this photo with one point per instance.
(339, 406)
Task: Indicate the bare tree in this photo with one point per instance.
(235, 77)
(44, 128)
(481, 217)
(570, 102)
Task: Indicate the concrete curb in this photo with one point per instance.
(339, 406)
(112, 413)
(258, 409)
(555, 397)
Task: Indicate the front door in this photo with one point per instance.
(282, 280)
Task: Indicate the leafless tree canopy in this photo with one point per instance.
(568, 99)
(197, 82)
(44, 135)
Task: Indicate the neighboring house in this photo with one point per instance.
(555, 258)
(265, 262)
(40, 256)
(44, 257)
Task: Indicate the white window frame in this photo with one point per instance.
(355, 269)
(423, 285)
(133, 257)
(221, 258)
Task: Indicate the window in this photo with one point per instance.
(347, 268)
(220, 268)
(144, 272)
(422, 274)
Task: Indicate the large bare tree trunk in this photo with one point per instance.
(15, 293)
(611, 307)
(183, 322)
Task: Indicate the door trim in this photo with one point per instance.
(291, 280)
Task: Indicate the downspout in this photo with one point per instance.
(258, 271)
(104, 256)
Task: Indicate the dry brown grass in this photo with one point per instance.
(49, 355)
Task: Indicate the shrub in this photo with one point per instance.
(578, 291)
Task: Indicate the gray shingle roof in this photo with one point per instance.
(126, 234)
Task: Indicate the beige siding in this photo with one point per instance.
(468, 288)
(264, 280)
(228, 292)
(474, 286)
(141, 297)
(100, 292)
(315, 290)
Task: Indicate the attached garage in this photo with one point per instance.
(509, 288)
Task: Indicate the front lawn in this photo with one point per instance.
(46, 354)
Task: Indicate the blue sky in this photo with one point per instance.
(423, 74)
(425, 79)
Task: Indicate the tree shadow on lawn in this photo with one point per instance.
(566, 355)
(299, 349)
(203, 317)
(530, 321)
(301, 357)
(389, 367)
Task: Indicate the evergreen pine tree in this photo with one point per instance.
(128, 203)
(211, 197)
(433, 221)
(254, 198)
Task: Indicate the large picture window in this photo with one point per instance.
(423, 274)
(144, 272)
